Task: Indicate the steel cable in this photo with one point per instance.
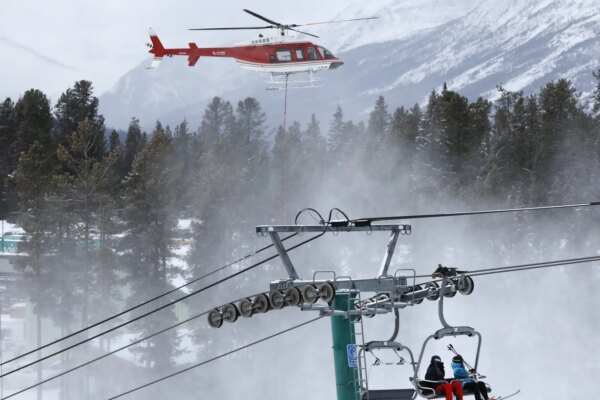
(121, 313)
(157, 309)
(215, 358)
(116, 350)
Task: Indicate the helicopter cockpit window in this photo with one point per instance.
(312, 54)
(326, 53)
(299, 54)
(284, 55)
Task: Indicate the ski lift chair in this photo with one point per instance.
(427, 392)
(447, 330)
(383, 394)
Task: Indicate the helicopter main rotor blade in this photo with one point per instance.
(261, 17)
(304, 33)
(333, 22)
(232, 28)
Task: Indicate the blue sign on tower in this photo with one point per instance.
(352, 352)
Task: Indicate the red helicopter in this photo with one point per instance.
(277, 55)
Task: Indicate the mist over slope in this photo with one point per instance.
(521, 45)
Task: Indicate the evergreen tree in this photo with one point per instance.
(77, 105)
(7, 127)
(379, 119)
(402, 139)
(218, 119)
(216, 182)
(83, 196)
(82, 185)
(456, 142)
(33, 121)
(337, 139)
(562, 128)
(185, 156)
(314, 145)
(426, 173)
(506, 172)
(40, 275)
(114, 141)
(295, 163)
(134, 143)
(8, 198)
(150, 225)
(250, 120)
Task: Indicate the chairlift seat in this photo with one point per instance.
(389, 394)
(429, 393)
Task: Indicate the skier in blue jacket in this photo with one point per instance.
(477, 387)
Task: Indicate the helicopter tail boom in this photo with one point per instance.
(156, 47)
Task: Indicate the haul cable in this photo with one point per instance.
(521, 267)
(464, 213)
(159, 308)
(70, 335)
(113, 352)
(215, 358)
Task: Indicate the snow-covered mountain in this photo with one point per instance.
(412, 49)
(397, 19)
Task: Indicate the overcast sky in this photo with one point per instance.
(50, 44)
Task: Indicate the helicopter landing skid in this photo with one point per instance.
(281, 82)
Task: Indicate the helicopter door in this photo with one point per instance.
(312, 54)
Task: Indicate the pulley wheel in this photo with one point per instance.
(261, 303)
(369, 306)
(215, 319)
(293, 296)
(466, 285)
(383, 297)
(309, 294)
(434, 291)
(416, 289)
(277, 299)
(230, 313)
(450, 290)
(245, 308)
(326, 292)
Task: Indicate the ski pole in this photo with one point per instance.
(452, 349)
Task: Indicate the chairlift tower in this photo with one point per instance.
(344, 300)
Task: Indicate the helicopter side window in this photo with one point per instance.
(312, 54)
(299, 54)
(326, 53)
(284, 55)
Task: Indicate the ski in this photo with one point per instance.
(510, 395)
